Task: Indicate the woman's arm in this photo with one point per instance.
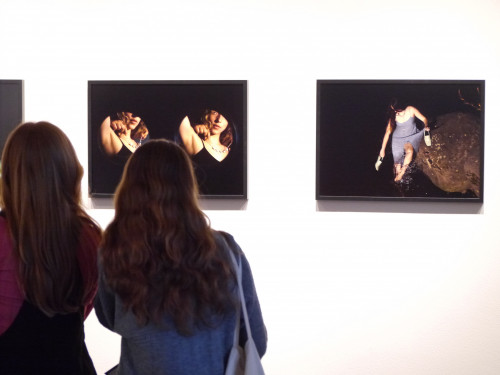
(421, 117)
(109, 140)
(192, 142)
(385, 140)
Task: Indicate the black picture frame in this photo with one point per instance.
(351, 123)
(11, 108)
(163, 105)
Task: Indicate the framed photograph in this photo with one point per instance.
(11, 108)
(400, 140)
(208, 118)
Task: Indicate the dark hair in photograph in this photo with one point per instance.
(392, 109)
(159, 253)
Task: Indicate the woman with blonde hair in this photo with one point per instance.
(166, 281)
(48, 255)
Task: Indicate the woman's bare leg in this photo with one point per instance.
(400, 170)
(397, 169)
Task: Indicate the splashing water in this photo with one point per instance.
(405, 185)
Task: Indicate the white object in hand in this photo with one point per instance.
(427, 138)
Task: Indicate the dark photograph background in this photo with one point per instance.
(351, 123)
(162, 105)
(11, 108)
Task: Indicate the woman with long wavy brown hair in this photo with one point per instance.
(167, 284)
(48, 255)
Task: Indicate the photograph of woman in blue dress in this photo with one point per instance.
(434, 132)
(406, 137)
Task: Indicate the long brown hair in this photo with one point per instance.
(41, 196)
(159, 253)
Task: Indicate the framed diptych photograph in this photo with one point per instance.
(400, 140)
(11, 107)
(207, 118)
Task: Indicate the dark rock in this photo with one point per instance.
(452, 162)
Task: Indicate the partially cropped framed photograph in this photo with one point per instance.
(11, 107)
(400, 140)
(207, 118)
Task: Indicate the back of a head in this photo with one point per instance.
(161, 237)
(40, 170)
(41, 179)
(158, 173)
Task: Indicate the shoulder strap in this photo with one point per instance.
(237, 268)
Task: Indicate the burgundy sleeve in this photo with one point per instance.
(11, 297)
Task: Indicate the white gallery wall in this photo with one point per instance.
(347, 287)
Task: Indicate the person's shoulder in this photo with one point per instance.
(222, 237)
(223, 234)
(227, 238)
